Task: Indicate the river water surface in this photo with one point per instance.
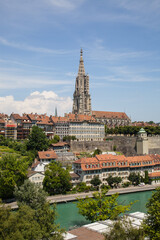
(69, 217)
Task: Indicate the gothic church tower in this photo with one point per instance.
(81, 96)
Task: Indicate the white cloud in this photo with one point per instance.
(39, 102)
(25, 47)
(8, 81)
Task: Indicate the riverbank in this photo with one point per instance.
(73, 197)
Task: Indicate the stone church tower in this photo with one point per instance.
(81, 96)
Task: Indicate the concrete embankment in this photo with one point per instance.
(73, 197)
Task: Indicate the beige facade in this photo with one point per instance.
(106, 165)
(36, 177)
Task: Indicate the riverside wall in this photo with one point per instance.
(124, 144)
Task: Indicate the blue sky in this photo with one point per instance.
(40, 43)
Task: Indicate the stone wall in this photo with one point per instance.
(154, 142)
(154, 145)
(124, 144)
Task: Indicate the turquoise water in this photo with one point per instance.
(68, 215)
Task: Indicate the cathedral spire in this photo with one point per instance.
(81, 96)
(81, 70)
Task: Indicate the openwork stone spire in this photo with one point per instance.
(81, 96)
(81, 70)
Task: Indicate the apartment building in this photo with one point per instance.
(83, 127)
(106, 165)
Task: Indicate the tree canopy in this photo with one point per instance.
(113, 181)
(97, 152)
(37, 140)
(13, 171)
(134, 178)
(29, 224)
(152, 222)
(35, 218)
(96, 181)
(133, 130)
(123, 230)
(57, 179)
(30, 194)
(101, 207)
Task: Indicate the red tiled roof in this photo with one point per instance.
(35, 163)
(16, 116)
(74, 175)
(83, 233)
(120, 161)
(3, 115)
(143, 124)
(47, 155)
(59, 119)
(34, 117)
(31, 173)
(2, 121)
(79, 117)
(103, 114)
(59, 144)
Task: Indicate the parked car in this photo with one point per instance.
(141, 184)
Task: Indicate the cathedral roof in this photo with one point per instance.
(104, 114)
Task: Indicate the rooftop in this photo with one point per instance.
(47, 154)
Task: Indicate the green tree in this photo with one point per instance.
(29, 224)
(3, 141)
(56, 139)
(134, 178)
(114, 148)
(37, 140)
(13, 172)
(101, 207)
(82, 187)
(97, 152)
(123, 230)
(30, 194)
(152, 222)
(96, 181)
(113, 181)
(146, 178)
(57, 179)
(69, 138)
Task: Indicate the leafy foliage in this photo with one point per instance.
(101, 207)
(69, 138)
(13, 170)
(97, 152)
(132, 130)
(113, 181)
(134, 178)
(37, 140)
(152, 222)
(57, 179)
(56, 139)
(123, 230)
(95, 181)
(29, 224)
(30, 194)
(35, 219)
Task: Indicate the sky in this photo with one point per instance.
(40, 42)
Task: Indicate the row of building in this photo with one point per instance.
(106, 165)
(102, 166)
(83, 127)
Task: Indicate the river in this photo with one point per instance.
(68, 215)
